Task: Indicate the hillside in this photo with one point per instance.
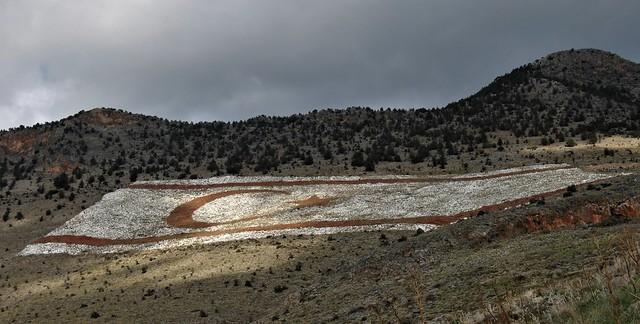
(536, 245)
(579, 94)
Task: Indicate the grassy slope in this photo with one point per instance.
(343, 279)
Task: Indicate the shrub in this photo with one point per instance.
(61, 181)
(369, 165)
(212, 166)
(50, 194)
(279, 288)
(133, 174)
(609, 152)
(357, 160)
(544, 141)
(308, 160)
(233, 167)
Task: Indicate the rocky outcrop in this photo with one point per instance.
(19, 142)
(598, 213)
(107, 117)
(60, 166)
(607, 203)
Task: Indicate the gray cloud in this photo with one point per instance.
(234, 59)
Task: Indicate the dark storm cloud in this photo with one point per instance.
(233, 59)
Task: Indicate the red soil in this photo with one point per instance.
(286, 183)
(588, 213)
(107, 118)
(182, 216)
(22, 141)
(313, 201)
(60, 166)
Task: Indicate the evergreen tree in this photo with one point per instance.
(357, 159)
(61, 181)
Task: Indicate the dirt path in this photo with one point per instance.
(182, 216)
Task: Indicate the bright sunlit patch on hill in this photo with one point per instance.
(161, 214)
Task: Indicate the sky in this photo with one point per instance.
(235, 59)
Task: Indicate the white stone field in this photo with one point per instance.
(162, 214)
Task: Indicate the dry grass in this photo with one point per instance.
(611, 142)
(418, 287)
(606, 294)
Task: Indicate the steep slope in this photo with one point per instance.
(593, 69)
(582, 91)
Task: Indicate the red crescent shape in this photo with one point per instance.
(182, 216)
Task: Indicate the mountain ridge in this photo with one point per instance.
(596, 56)
(536, 115)
(578, 94)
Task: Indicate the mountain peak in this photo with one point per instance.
(107, 117)
(592, 68)
(587, 58)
